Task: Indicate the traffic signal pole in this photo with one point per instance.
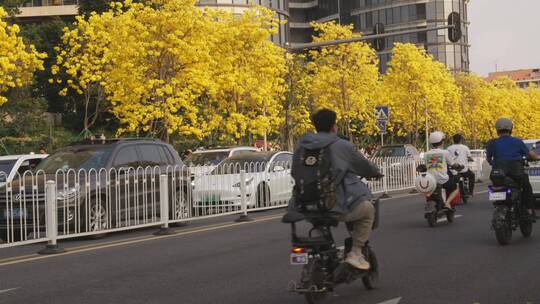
(314, 45)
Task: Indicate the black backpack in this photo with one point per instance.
(315, 187)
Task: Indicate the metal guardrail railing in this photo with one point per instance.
(49, 206)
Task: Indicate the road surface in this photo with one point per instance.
(223, 262)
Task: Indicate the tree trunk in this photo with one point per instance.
(86, 105)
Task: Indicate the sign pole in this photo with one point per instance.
(382, 114)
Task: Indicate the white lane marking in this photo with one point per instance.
(415, 194)
(393, 301)
(8, 290)
(444, 219)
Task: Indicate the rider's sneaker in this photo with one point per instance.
(357, 260)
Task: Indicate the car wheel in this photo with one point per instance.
(180, 208)
(3, 236)
(262, 195)
(96, 218)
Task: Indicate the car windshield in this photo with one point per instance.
(234, 165)
(206, 158)
(5, 169)
(390, 152)
(76, 158)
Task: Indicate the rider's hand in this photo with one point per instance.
(377, 177)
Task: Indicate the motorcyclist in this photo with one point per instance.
(462, 156)
(353, 196)
(437, 161)
(508, 154)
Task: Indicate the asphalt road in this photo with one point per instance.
(223, 262)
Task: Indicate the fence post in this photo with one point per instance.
(385, 180)
(164, 205)
(413, 176)
(51, 219)
(244, 215)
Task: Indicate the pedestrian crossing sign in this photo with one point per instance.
(381, 113)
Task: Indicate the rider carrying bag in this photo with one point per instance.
(315, 186)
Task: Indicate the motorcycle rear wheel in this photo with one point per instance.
(503, 234)
(526, 228)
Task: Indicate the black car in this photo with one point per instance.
(101, 185)
(396, 151)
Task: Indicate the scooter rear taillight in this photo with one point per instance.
(298, 250)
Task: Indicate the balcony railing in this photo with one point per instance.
(35, 3)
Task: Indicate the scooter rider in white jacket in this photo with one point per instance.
(437, 161)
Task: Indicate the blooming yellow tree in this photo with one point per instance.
(298, 104)
(159, 66)
(344, 77)
(507, 100)
(421, 92)
(18, 62)
(247, 75)
(482, 103)
(83, 57)
(476, 108)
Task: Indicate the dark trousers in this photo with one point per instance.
(526, 189)
(471, 177)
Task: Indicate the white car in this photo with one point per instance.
(204, 161)
(12, 164)
(479, 164)
(267, 181)
(534, 167)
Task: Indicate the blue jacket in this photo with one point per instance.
(506, 148)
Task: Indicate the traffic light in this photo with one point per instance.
(454, 32)
(379, 44)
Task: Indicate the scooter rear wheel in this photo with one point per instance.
(313, 298)
(450, 216)
(432, 218)
(371, 280)
(313, 276)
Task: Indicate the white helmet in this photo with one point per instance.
(425, 183)
(436, 137)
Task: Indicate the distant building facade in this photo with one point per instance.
(523, 78)
(36, 10)
(280, 7)
(396, 15)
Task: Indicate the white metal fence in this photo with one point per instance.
(48, 206)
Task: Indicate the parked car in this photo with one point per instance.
(204, 161)
(396, 151)
(534, 168)
(267, 180)
(399, 160)
(532, 143)
(479, 164)
(100, 184)
(13, 165)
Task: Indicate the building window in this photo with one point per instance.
(369, 20)
(421, 11)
